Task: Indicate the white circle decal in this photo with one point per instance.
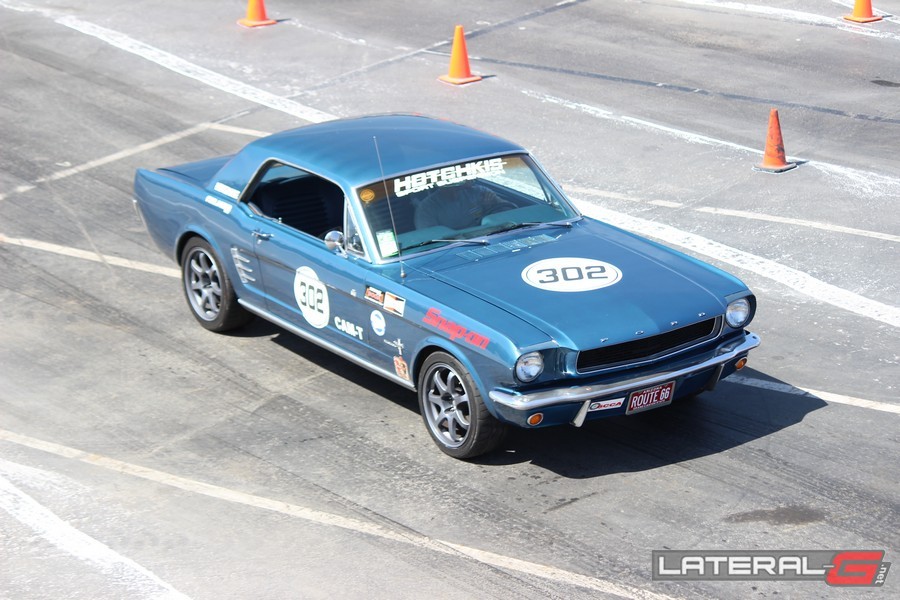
(571, 274)
(378, 325)
(312, 297)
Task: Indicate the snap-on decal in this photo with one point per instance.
(454, 330)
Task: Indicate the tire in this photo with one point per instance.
(208, 290)
(453, 409)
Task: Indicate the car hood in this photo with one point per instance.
(646, 288)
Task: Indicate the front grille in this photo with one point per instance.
(647, 348)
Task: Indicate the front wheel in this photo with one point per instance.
(208, 290)
(454, 411)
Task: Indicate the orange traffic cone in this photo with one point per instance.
(256, 15)
(773, 159)
(459, 61)
(862, 12)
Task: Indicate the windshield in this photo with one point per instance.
(460, 202)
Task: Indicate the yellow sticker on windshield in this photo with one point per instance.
(367, 195)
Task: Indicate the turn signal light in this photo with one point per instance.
(741, 363)
(535, 419)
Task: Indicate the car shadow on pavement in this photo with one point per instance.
(333, 363)
(732, 415)
(713, 422)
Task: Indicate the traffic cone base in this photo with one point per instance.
(459, 80)
(776, 169)
(773, 158)
(856, 19)
(256, 15)
(862, 12)
(459, 61)
(249, 23)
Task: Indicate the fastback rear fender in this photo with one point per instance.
(168, 206)
(174, 209)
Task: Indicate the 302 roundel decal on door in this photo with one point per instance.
(571, 274)
(312, 297)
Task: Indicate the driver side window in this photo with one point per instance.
(298, 199)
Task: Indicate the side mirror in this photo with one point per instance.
(334, 241)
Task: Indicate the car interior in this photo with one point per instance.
(300, 200)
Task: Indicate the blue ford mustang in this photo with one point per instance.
(446, 260)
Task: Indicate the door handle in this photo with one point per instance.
(261, 236)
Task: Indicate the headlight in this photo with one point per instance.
(738, 313)
(529, 366)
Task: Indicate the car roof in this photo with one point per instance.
(344, 150)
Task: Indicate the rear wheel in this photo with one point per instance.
(208, 290)
(453, 409)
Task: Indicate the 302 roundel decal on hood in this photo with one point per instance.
(571, 274)
(446, 260)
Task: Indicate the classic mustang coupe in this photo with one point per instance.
(446, 260)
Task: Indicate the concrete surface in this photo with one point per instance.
(143, 457)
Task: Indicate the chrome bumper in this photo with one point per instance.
(568, 395)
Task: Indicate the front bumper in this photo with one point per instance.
(518, 405)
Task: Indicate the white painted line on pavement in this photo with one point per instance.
(91, 256)
(801, 222)
(602, 113)
(116, 156)
(122, 571)
(795, 16)
(19, 190)
(333, 520)
(239, 130)
(785, 388)
(110, 158)
(99, 162)
(196, 72)
(863, 183)
(764, 267)
(177, 64)
(737, 213)
(620, 196)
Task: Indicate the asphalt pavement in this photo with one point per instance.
(144, 457)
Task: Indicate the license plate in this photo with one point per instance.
(658, 395)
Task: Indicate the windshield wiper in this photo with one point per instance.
(480, 242)
(514, 226)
